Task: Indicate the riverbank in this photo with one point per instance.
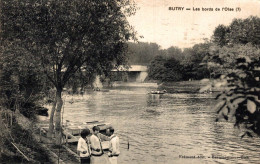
(184, 86)
(135, 84)
(194, 86)
(21, 142)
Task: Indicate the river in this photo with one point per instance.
(168, 128)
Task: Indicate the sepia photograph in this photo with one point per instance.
(129, 81)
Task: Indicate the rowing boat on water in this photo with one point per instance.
(158, 92)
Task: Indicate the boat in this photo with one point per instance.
(158, 92)
(71, 132)
(100, 90)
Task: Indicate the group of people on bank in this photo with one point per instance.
(90, 150)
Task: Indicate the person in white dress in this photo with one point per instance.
(97, 153)
(83, 147)
(113, 146)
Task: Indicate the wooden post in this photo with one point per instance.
(40, 135)
(5, 116)
(11, 120)
(66, 139)
(8, 120)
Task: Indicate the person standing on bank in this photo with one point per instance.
(83, 147)
(113, 146)
(96, 148)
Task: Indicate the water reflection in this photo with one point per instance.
(162, 127)
(153, 99)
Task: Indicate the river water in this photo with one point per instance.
(168, 128)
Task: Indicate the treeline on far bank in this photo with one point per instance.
(172, 64)
(176, 64)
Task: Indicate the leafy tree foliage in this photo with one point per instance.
(193, 62)
(174, 70)
(66, 36)
(142, 53)
(172, 52)
(240, 31)
(175, 65)
(235, 59)
(163, 69)
(22, 82)
(198, 70)
(156, 69)
(220, 35)
(242, 87)
(81, 79)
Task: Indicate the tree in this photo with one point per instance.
(22, 82)
(193, 61)
(240, 31)
(238, 71)
(245, 31)
(173, 64)
(165, 69)
(156, 69)
(173, 70)
(235, 59)
(142, 53)
(66, 36)
(174, 52)
(220, 35)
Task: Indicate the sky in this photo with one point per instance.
(184, 28)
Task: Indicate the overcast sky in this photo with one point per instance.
(156, 23)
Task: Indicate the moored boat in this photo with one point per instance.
(158, 92)
(71, 132)
(100, 90)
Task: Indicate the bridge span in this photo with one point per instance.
(135, 73)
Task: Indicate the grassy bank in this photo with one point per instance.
(18, 145)
(20, 142)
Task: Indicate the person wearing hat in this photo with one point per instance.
(83, 147)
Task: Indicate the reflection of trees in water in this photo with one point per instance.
(153, 100)
(153, 111)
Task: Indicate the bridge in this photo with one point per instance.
(135, 73)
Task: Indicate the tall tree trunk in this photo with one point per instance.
(51, 126)
(58, 127)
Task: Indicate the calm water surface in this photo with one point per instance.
(160, 128)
